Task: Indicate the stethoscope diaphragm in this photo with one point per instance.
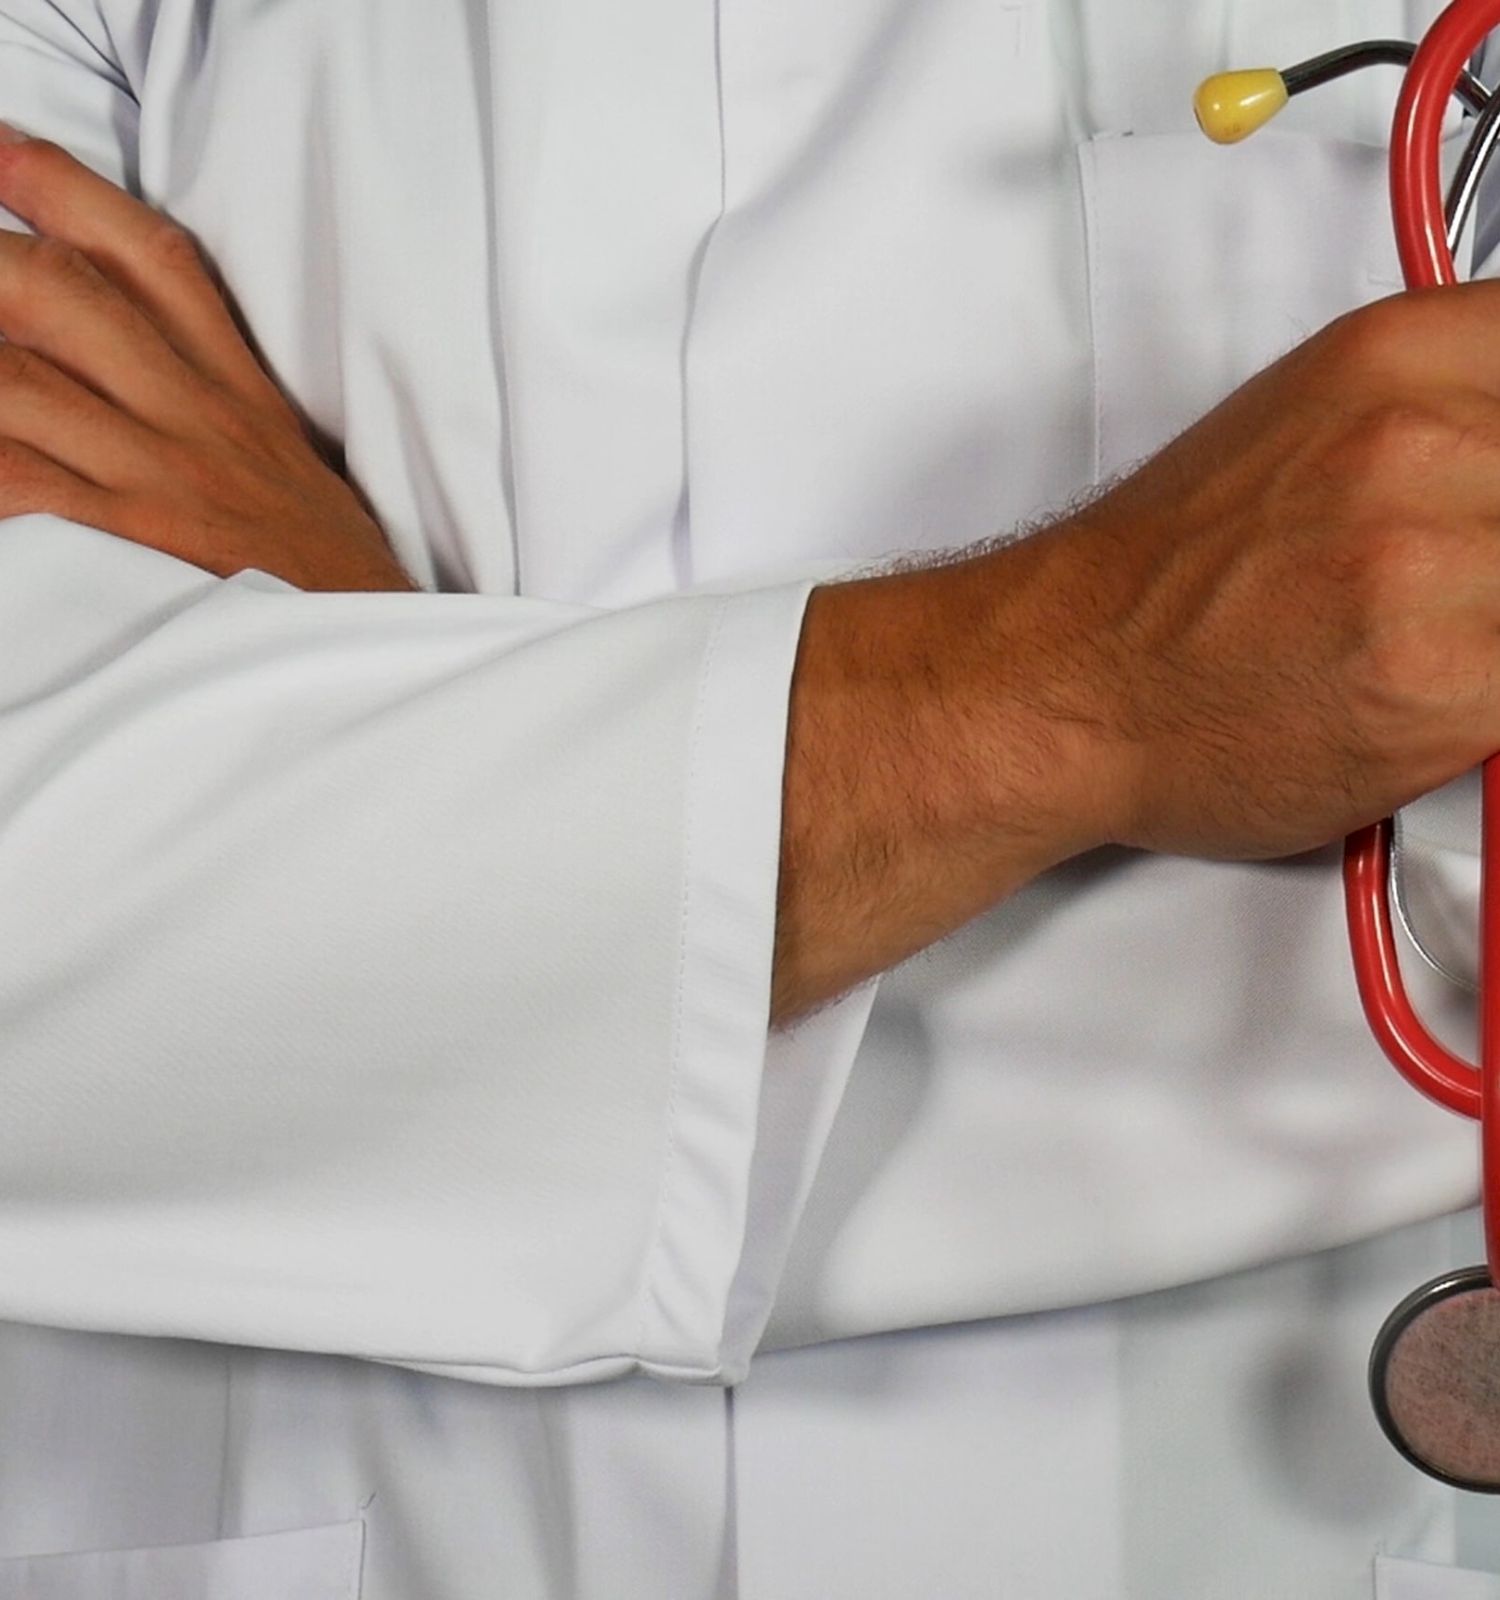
(1435, 1379)
(1435, 1369)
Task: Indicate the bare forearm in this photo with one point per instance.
(930, 770)
(1280, 628)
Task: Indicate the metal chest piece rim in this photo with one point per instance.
(1416, 1379)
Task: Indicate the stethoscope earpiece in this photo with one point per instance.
(1231, 106)
(1435, 1379)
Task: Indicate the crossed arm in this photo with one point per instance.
(1280, 628)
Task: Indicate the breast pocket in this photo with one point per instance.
(307, 1564)
(1206, 264)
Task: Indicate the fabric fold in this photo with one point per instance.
(392, 971)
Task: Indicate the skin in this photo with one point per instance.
(1282, 627)
(130, 402)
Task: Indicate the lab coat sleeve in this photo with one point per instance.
(387, 974)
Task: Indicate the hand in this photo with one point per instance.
(1282, 627)
(129, 401)
(1288, 623)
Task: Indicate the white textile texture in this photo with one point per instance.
(383, 1009)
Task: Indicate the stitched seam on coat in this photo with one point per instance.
(1088, 172)
(223, 1506)
(682, 532)
(679, 1023)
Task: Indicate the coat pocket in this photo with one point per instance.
(1396, 1579)
(307, 1564)
(1206, 264)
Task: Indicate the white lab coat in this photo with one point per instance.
(387, 974)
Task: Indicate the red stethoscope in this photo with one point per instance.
(1435, 1368)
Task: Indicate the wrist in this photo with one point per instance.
(943, 749)
(1045, 698)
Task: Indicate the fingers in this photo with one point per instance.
(55, 302)
(41, 407)
(152, 261)
(32, 481)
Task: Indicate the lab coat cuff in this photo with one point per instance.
(749, 1110)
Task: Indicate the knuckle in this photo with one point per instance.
(1403, 433)
(1390, 447)
(1369, 339)
(172, 247)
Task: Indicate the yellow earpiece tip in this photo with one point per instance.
(1233, 105)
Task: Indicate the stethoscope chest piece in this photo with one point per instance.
(1435, 1369)
(1435, 1379)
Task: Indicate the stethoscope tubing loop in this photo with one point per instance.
(1418, 201)
(1418, 208)
(1421, 1060)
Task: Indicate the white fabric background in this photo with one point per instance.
(725, 291)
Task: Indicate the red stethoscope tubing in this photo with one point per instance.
(1417, 203)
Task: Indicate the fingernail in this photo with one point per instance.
(10, 135)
